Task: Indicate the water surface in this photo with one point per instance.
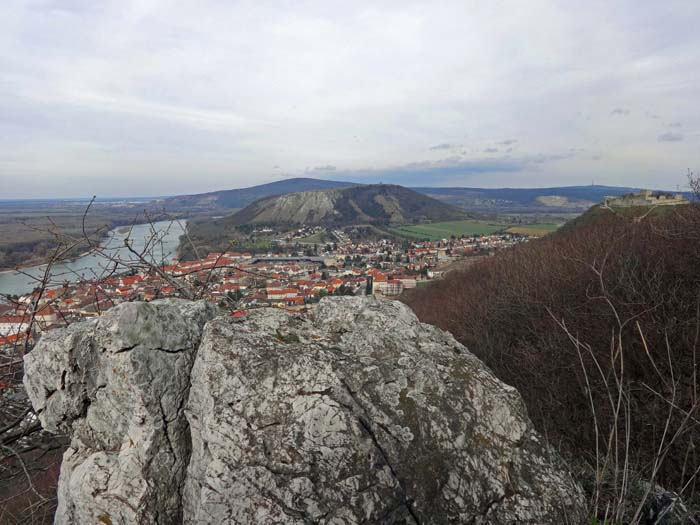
(93, 266)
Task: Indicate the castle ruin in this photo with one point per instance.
(645, 198)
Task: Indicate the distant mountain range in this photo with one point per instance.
(219, 218)
(565, 199)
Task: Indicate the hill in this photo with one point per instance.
(372, 204)
(376, 203)
(597, 326)
(240, 198)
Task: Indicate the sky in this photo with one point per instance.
(155, 97)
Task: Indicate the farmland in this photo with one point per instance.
(30, 229)
(441, 230)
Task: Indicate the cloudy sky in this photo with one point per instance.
(154, 97)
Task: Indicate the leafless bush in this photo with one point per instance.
(694, 185)
(29, 457)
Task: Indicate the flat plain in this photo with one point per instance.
(441, 230)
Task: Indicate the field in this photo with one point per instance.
(26, 226)
(25, 231)
(442, 230)
(315, 238)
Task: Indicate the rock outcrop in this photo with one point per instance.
(356, 414)
(118, 385)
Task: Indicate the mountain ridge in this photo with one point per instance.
(241, 197)
(553, 199)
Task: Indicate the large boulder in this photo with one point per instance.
(357, 413)
(118, 385)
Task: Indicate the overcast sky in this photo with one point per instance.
(154, 97)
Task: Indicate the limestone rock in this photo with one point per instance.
(358, 414)
(118, 385)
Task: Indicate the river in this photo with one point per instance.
(91, 266)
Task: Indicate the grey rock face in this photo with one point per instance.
(118, 385)
(360, 414)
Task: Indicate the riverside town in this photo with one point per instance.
(291, 279)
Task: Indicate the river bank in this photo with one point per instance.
(92, 265)
(41, 261)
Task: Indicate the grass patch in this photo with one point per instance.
(533, 229)
(442, 230)
(315, 238)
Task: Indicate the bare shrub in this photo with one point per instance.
(29, 457)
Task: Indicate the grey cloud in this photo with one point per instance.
(670, 137)
(107, 90)
(491, 150)
(675, 125)
(447, 170)
(329, 167)
(543, 158)
(60, 6)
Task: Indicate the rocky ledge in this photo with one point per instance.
(356, 414)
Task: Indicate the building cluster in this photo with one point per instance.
(242, 281)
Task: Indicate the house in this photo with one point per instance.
(281, 294)
(46, 315)
(13, 324)
(378, 282)
(407, 281)
(392, 287)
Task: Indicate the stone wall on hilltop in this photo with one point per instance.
(355, 414)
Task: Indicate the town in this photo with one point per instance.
(292, 278)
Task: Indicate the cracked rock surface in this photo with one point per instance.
(118, 385)
(359, 414)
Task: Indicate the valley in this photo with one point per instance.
(31, 230)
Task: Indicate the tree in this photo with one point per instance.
(694, 184)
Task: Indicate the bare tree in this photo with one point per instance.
(694, 185)
(29, 457)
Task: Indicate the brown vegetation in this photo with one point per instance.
(598, 327)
